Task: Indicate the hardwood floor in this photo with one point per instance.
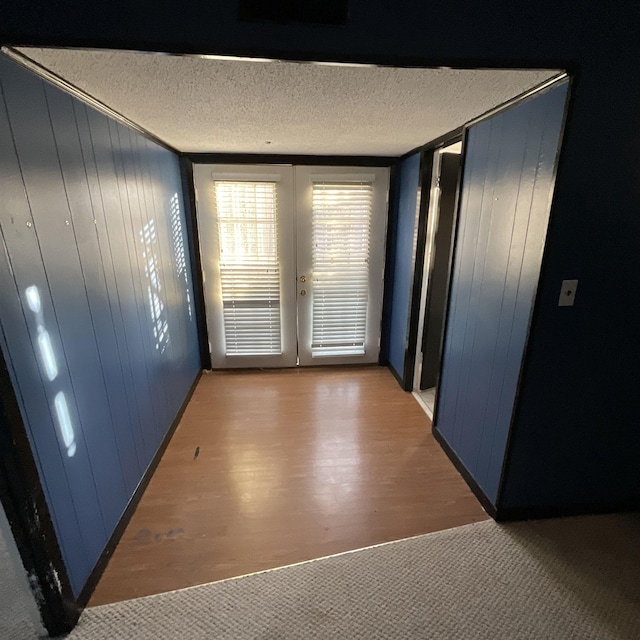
(269, 468)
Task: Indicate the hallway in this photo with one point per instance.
(270, 468)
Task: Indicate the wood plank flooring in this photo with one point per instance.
(269, 468)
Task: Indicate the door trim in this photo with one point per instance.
(426, 171)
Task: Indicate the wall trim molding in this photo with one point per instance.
(68, 87)
(513, 514)
(427, 158)
(389, 265)
(290, 158)
(487, 505)
(441, 141)
(547, 84)
(308, 56)
(535, 512)
(396, 375)
(112, 543)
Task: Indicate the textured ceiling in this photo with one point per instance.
(236, 106)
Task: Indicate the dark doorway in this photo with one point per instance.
(438, 282)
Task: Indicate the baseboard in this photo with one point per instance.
(511, 514)
(487, 505)
(110, 547)
(396, 375)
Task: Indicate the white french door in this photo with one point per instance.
(293, 261)
(247, 246)
(340, 232)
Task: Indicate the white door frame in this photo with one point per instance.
(204, 180)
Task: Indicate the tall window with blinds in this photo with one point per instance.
(341, 230)
(247, 226)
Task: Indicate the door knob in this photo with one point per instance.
(303, 279)
(303, 292)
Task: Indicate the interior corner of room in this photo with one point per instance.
(358, 286)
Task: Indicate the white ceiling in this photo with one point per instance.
(237, 106)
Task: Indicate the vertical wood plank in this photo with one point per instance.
(507, 185)
(86, 396)
(82, 222)
(122, 353)
(75, 319)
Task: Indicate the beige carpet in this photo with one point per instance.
(19, 618)
(572, 578)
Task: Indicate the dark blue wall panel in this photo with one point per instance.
(571, 449)
(405, 250)
(96, 319)
(506, 194)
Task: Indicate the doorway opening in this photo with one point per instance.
(441, 219)
(293, 262)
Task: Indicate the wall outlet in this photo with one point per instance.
(568, 293)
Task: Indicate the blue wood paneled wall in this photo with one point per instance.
(96, 313)
(506, 195)
(405, 249)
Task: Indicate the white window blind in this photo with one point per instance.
(341, 222)
(247, 221)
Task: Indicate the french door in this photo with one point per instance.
(293, 261)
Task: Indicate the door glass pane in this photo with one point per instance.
(247, 223)
(341, 222)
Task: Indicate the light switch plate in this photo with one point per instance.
(568, 293)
